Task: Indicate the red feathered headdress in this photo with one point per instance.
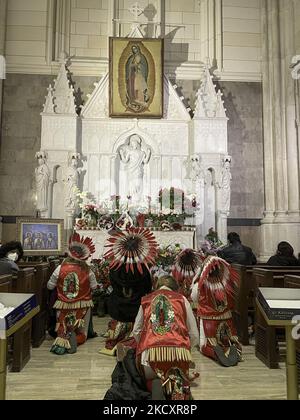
(80, 248)
(218, 277)
(134, 247)
(187, 264)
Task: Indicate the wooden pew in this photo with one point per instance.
(39, 322)
(293, 282)
(245, 301)
(6, 284)
(23, 282)
(268, 339)
(273, 277)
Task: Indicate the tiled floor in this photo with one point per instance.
(87, 375)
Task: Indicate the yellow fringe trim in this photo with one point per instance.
(169, 354)
(77, 305)
(79, 323)
(227, 315)
(62, 342)
(212, 341)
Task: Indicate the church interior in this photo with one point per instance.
(150, 200)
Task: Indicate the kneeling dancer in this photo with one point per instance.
(214, 289)
(165, 330)
(74, 281)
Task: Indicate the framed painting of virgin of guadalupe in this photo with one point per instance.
(136, 77)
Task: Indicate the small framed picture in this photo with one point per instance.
(136, 77)
(41, 236)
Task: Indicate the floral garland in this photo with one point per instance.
(212, 244)
(107, 214)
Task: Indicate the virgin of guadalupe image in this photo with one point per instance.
(137, 72)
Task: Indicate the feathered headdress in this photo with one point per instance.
(187, 264)
(218, 277)
(80, 248)
(134, 247)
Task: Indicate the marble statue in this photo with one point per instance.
(72, 182)
(42, 178)
(198, 176)
(225, 184)
(134, 160)
(197, 172)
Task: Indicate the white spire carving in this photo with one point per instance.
(63, 93)
(49, 104)
(209, 103)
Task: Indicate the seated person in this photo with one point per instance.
(129, 254)
(284, 256)
(237, 253)
(74, 281)
(214, 289)
(165, 330)
(10, 254)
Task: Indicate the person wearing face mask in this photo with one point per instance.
(10, 254)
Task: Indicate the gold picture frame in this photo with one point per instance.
(136, 77)
(41, 236)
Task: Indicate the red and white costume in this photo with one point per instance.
(74, 282)
(165, 330)
(214, 289)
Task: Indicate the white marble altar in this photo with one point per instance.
(187, 239)
(161, 158)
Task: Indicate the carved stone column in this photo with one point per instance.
(281, 154)
(222, 225)
(211, 32)
(3, 12)
(63, 23)
(155, 206)
(113, 181)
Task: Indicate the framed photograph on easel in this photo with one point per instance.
(136, 77)
(41, 236)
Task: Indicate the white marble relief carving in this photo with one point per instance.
(42, 178)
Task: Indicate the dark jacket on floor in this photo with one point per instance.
(127, 384)
(238, 254)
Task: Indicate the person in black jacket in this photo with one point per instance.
(236, 252)
(10, 254)
(284, 256)
(129, 254)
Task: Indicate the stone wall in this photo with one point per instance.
(245, 133)
(227, 32)
(23, 100)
